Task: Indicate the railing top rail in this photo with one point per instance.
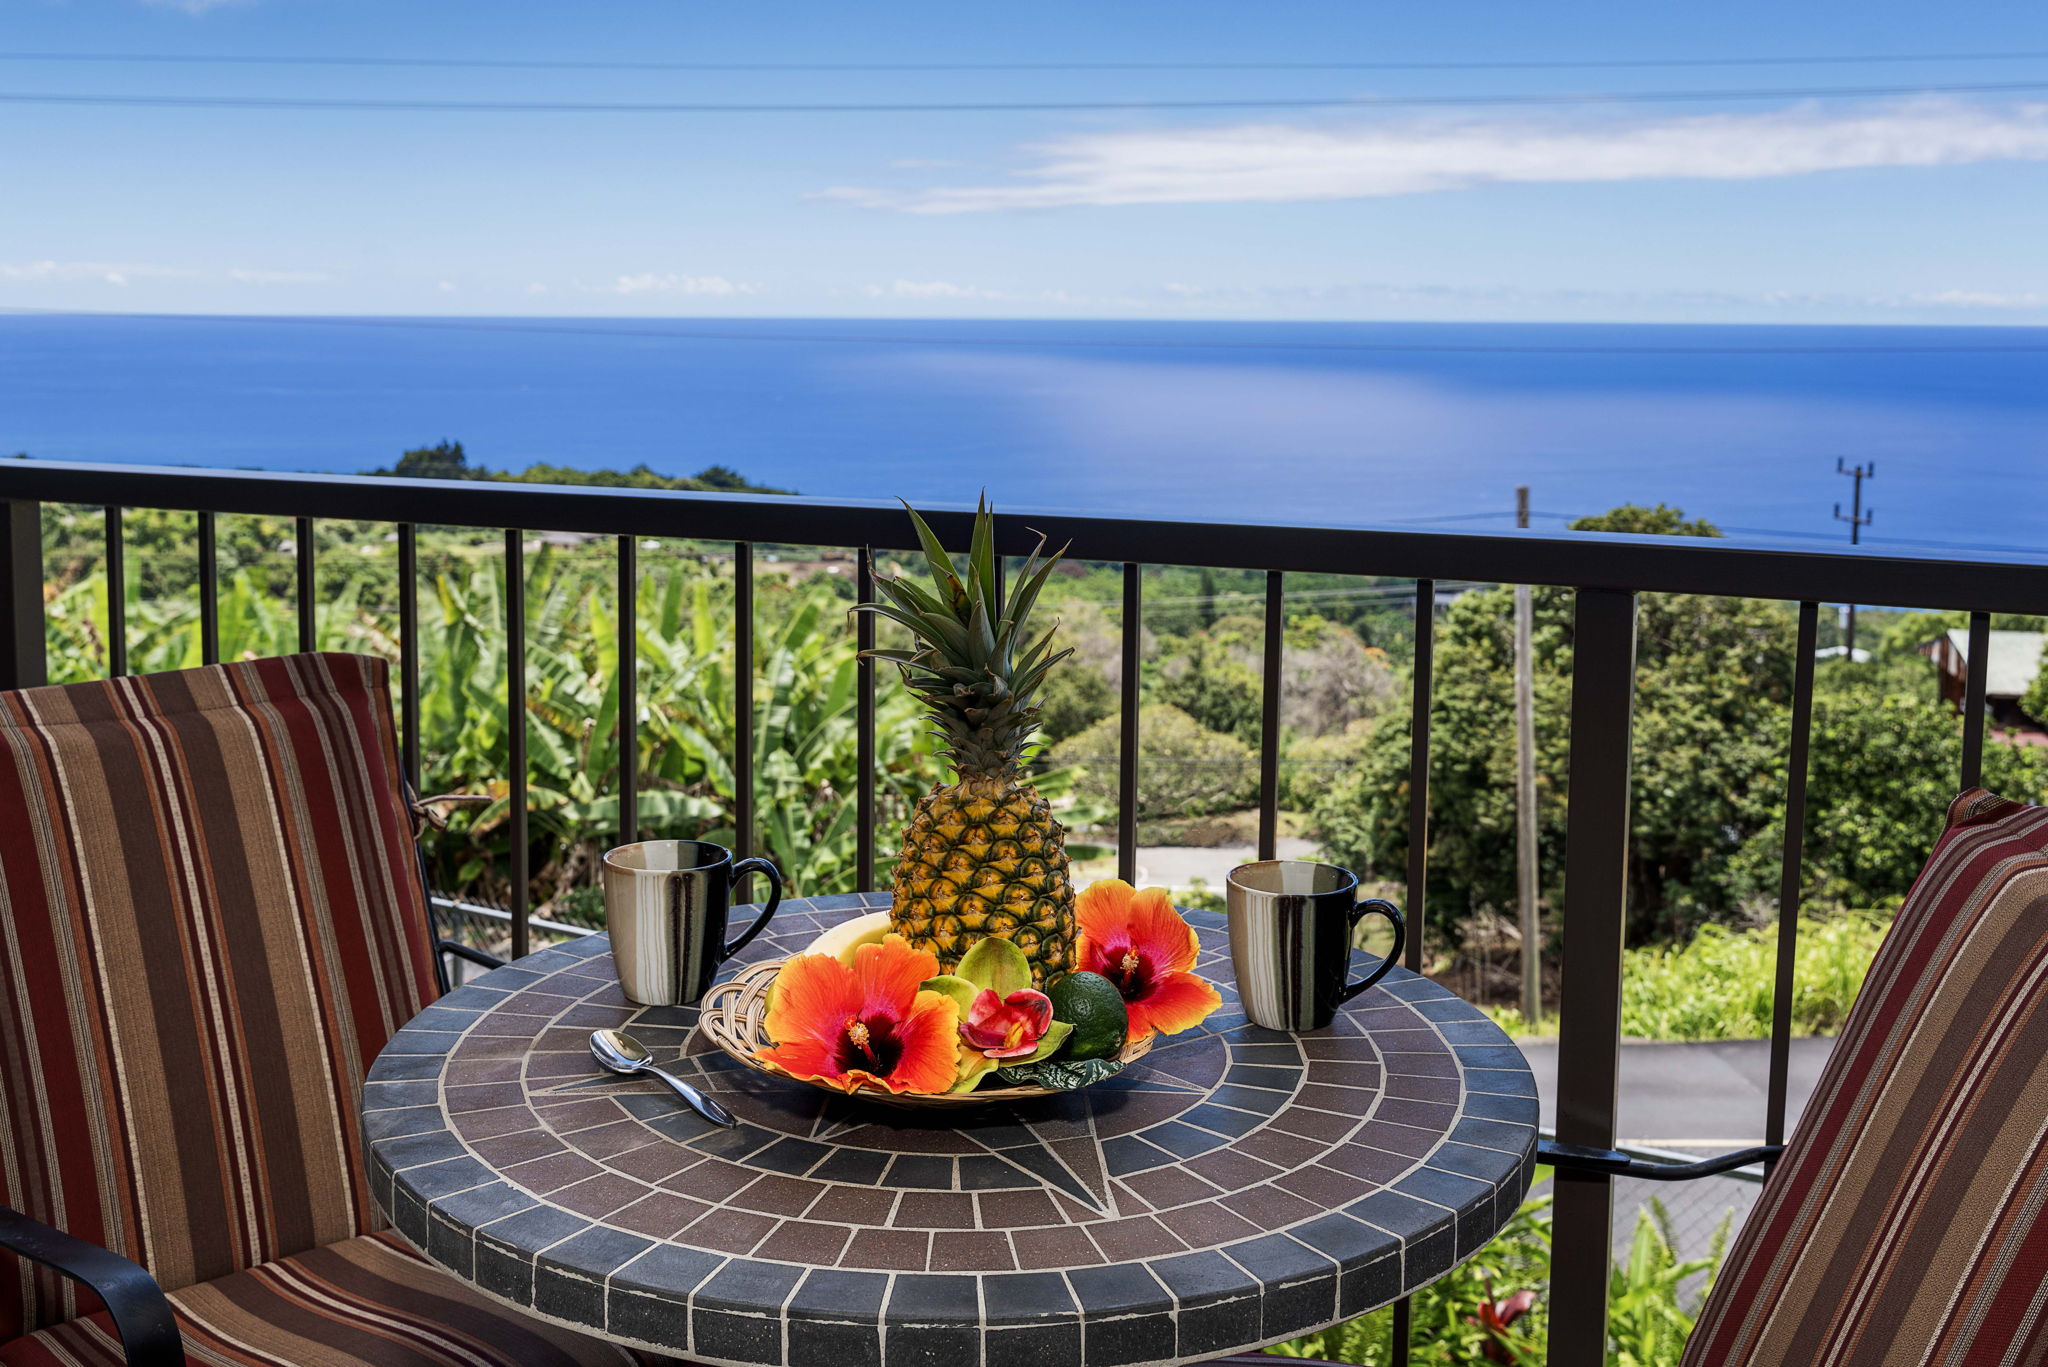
(1725, 566)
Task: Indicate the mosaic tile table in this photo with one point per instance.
(1235, 1187)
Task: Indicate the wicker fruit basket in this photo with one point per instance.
(734, 1014)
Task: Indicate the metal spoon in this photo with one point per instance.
(621, 1053)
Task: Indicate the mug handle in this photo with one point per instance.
(755, 864)
(1382, 907)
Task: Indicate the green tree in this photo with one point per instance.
(1711, 743)
(442, 460)
(1882, 771)
(1640, 521)
(1075, 697)
(2035, 702)
(1213, 682)
(1184, 769)
(1712, 678)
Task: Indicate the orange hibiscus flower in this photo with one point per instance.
(867, 1025)
(1139, 942)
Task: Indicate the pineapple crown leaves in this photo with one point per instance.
(974, 665)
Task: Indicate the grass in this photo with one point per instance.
(1720, 984)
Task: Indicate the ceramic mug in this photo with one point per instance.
(666, 903)
(1291, 926)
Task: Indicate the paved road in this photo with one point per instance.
(1708, 1096)
(1178, 865)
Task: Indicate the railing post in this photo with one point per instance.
(308, 585)
(409, 645)
(1127, 758)
(1595, 907)
(209, 588)
(22, 661)
(1270, 739)
(629, 690)
(1976, 674)
(515, 736)
(1793, 853)
(864, 725)
(743, 697)
(117, 594)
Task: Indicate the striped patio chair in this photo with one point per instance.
(1903, 1227)
(211, 920)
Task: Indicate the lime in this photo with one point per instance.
(1091, 1004)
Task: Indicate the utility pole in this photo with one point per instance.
(1525, 788)
(1857, 520)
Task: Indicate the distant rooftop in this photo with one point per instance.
(2015, 660)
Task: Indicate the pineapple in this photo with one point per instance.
(982, 855)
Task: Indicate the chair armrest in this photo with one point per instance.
(1579, 1158)
(469, 952)
(141, 1313)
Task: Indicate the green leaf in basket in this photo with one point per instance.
(997, 964)
(1054, 1039)
(1061, 1075)
(959, 989)
(973, 1068)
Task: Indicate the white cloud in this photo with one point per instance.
(1278, 162)
(259, 277)
(104, 272)
(647, 282)
(194, 6)
(446, 287)
(536, 288)
(930, 289)
(1979, 299)
(127, 273)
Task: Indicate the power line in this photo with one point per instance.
(571, 64)
(1097, 343)
(351, 105)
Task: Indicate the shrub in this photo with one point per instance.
(1075, 697)
(1184, 769)
(1720, 985)
(804, 732)
(1649, 1312)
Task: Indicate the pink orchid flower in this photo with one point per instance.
(1006, 1027)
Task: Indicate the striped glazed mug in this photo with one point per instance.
(1291, 926)
(666, 903)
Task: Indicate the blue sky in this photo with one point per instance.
(1893, 208)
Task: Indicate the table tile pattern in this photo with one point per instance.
(1235, 1187)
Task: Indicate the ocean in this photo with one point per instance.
(1336, 424)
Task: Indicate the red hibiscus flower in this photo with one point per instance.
(867, 1025)
(1007, 1027)
(1139, 942)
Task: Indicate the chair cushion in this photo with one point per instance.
(367, 1302)
(1903, 1224)
(211, 920)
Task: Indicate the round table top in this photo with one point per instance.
(1235, 1187)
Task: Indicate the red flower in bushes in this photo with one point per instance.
(1495, 1317)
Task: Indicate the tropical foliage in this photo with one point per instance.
(1711, 730)
(1711, 725)
(804, 721)
(1492, 1308)
(1721, 984)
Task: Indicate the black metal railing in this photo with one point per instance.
(1606, 574)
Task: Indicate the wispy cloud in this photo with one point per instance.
(195, 6)
(1277, 162)
(648, 282)
(50, 271)
(930, 289)
(1977, 299)
(102, 272)
(261, 277)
